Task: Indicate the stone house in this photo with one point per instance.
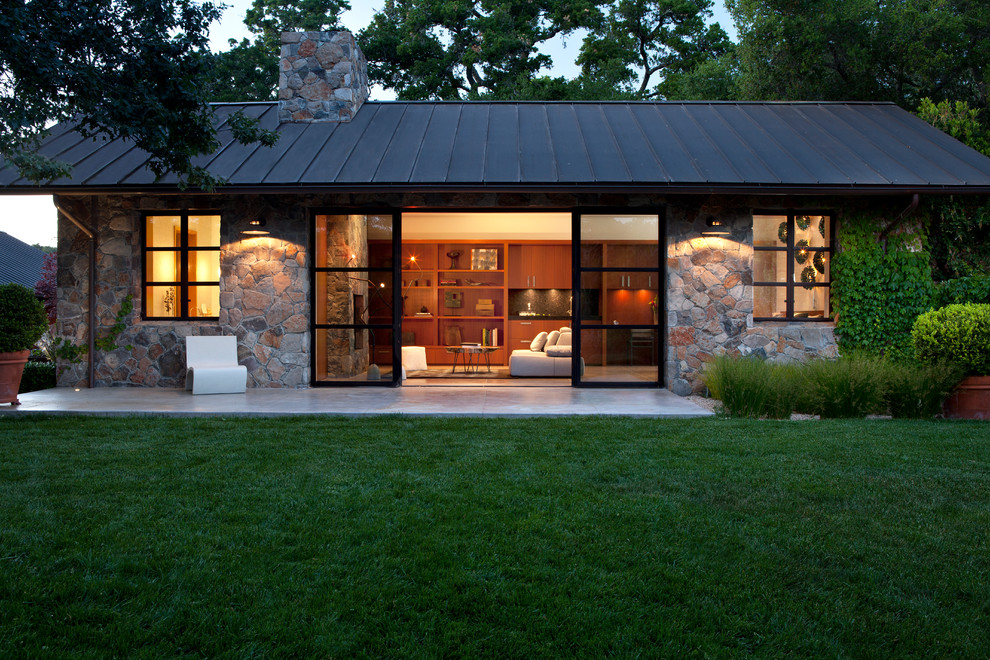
(663, 233)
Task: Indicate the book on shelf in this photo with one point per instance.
(489, 336)
(421, 314)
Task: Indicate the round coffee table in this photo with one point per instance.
(471, 357)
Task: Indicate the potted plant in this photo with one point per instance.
(22, 322)
(959, 334)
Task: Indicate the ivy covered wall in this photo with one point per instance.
(879, 287)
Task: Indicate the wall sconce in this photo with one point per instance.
(256, 228)
(715, 227)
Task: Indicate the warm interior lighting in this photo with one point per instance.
(256, 228)
(714, 227)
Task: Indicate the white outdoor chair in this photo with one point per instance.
(211, 366)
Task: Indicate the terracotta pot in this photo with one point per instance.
(971, 400)
(11, 369)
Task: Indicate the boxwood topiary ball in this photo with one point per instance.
(22, 318)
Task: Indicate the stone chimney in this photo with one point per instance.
(323, 77)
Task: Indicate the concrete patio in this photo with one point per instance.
(448, 401)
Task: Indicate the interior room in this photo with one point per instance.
(480, 290)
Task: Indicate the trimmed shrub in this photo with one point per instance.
(750, 387)
(918, 391)
(37, 376)
(22, 318)
(957, 333)
(847, 387)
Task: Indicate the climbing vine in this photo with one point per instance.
(878, 292)
(64, 349)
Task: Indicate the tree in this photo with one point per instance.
(47, 286)
(121, 69)
(650, 48)
(871, 50)
(468, 49)
(959, 231)
(249, 70)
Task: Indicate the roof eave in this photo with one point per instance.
(551, 188)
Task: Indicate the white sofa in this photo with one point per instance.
(548, 356)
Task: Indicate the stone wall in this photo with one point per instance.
(265, 296)
(323, 77)
(347, 351)
(264, 292)
(710, 300)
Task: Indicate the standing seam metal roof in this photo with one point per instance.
(678, 146)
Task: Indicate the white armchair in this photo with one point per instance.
(211, 366)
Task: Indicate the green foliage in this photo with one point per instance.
(877, 293)
(957, 333)
(639, 43)
(22, 318)
(750, 387)
(958, 120)
(917, 391)
(80, 60)
(482, 49)
(960, 226)
(248, 71)
(465, 49)
(973, 289)
(847, 387)
(863, 50)
(960, 235)
(109, 341)
(850, 387)
(37, 376)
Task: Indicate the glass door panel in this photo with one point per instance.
(354, 302)
(621, 299)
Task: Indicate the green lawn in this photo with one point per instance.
(525, 538)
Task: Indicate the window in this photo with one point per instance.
(791, 260)
(182, 266)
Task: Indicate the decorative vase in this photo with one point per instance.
(11, 369)
(971, 399)
(374, 373)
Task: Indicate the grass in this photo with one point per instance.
(385, 537)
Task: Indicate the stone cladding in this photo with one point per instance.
(265, 283)
(264, 293)
(323, 77)
(710, 301)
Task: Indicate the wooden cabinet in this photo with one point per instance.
(521, 333)
(632, 255)
(533, 266)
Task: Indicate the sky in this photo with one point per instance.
(31, 218)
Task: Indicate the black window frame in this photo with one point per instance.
(183, 252)
(789, 284)
(393, 273)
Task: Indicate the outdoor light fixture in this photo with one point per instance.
(256, 228)
(715, 227)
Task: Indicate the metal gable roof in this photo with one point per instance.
(664, 146)
(20, 263)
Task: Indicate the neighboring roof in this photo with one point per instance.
(664, 147)
(19, 262)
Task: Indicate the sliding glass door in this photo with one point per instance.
(354, 283)
(619, 290)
